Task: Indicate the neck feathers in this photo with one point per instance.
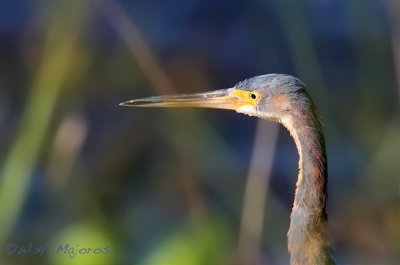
(307, 236)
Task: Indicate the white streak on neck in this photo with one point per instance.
(287, 121)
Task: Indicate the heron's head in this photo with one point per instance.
(271, 96)
(274, 96)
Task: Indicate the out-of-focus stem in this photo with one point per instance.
(20, 162)
(138, 47)
(255, 193)
(153, 70)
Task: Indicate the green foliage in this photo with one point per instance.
(83, 243)
(195, 243)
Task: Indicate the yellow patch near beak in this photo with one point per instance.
(246, 97)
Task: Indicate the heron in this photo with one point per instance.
(279, 98)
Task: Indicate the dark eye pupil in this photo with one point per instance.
(253, 96)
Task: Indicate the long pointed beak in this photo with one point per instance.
(230, 98)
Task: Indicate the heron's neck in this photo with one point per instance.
(307, 236)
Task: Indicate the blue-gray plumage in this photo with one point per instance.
(280, 98)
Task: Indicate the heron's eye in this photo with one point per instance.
(254, 96)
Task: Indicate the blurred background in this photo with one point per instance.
(183, 187)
